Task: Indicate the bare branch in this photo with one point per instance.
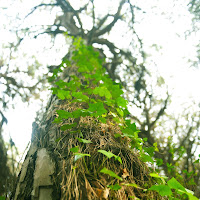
(161, 112)
(42, 4)
(116, 17)
(69, 13)
(102, 21)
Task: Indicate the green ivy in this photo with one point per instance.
(104, 101)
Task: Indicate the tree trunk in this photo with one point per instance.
(38, 178)
(52, 171)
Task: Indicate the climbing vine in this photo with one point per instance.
(84, 81)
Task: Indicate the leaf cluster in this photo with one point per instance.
(103, 101)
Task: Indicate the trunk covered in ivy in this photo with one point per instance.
(84, 148)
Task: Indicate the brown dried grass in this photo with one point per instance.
(82, 180)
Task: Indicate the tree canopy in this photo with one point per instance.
(171, 139)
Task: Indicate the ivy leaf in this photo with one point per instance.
(110, 155)
(191, 197)
(120, 111)
(84, 141)
(110, 173)
(57, 140)
(159, 162)
(57, 121)
(61, 83)
(157, 176)
(97, 108)
(146, 158)
(134, 185)
(115, 187)
(174, 184)
(117, 135)
(80, 155)
(149, 150)
(102, 119)
(121, 102)
(162, 189)
(80, 96)
(106, 153)
(102, 91)
(62, 94)
(155, 147)
(76, 113)
(115, 91)
(64, 114)
(74, 149)
(118, 158)
(67, 126)
(134, 197)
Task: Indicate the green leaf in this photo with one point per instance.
(102, 91)
(191, 182)
(157, 176)
(115, 187)
(189, 191)
(155, 147)
(130, 131)
(80, 155)
(149, 150)
(174, 184)
(159, 162)
(84, 141)
(111, 173)
(134, 185)
(121, 102)
(160, 177)
(146, 158)
(106, 153)
(56, 120)
(191, 197)
(117, 135)
(57, 140)
(97, 108)
(68, 126)
(2, 198)
(118, 158)
(120, 111)
(74, 149)
(62, 94)
(76, 113)
(54, 90)
(80, 96)
(162, 189)
(115, 91)
(102, 119)
(61, 83)
(110, 155)
(134, 197)
(64, 114)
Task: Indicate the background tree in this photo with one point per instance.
(195, 11)
(130, 69)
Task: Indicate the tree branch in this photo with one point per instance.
(42, 4)
(161, 112)
(115, 19)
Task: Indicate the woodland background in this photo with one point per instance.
(37, 43)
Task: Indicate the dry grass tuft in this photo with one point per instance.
(82, 180)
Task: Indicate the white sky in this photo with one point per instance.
(171, 60)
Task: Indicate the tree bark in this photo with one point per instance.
(38, 177)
